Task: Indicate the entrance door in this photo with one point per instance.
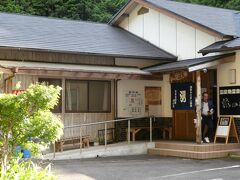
(184, 128)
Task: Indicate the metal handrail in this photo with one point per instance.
(105, 128)
(103, 122)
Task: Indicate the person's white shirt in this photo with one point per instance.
(205, 108)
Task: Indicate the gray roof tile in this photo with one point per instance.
(224, 21)
(58, 35)
(220, 46)
(184, 64)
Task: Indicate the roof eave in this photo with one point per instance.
(115, 17)
(93, 54)
(205, 52)
(187, 67)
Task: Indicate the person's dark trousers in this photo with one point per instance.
(207, 120)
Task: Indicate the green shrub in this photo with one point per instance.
(19, 169)
(26, 120)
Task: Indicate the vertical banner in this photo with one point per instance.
(183, 96)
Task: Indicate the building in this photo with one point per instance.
(147, 46)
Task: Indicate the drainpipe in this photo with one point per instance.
(116, 97)
(10, 77)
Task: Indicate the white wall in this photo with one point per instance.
(136, 25)
(223, 72)
(203, 40)
(162, 110)
(168, 33)
(151, 19)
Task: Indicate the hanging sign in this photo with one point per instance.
(226, 128)
(229, 100)
(183, 96)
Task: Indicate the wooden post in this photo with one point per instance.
(151, 128)
(105, 136)
(54, 150)
(198, 109)
(80, 131)
(129, 129)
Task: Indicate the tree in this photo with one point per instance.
(27, 115)
(229, 4)
(105, 9)
(91, 10)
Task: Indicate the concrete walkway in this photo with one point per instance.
(119, 149)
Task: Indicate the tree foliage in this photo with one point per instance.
(26, 170)
(26, 119)
(229, 4)
(88, 10)
(91, 10)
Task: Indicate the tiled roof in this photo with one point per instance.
(68, 36)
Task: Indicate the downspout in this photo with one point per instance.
(116, 97)
(10, 77)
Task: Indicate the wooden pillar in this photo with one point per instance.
(198, 108)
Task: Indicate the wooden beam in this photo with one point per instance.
(198, 109)
(5, 70)
(127, 9)
(75, 74)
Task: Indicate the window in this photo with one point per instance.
(88, 96)
(76, 96)
(55, 82)
(99, 96)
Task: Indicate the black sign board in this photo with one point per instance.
(183, 96)
(229, 100)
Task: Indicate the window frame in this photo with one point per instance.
(88, 96)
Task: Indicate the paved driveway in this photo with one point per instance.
(147, 168)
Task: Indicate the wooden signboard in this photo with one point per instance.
(153, 96)
(226, 128)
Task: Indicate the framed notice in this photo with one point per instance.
(183, 96)
(224, 121)
(229, 100)
(134, 102)
(226, 128)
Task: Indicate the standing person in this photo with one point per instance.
(207, 117)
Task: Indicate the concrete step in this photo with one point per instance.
(196, 147)
(190, 154)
